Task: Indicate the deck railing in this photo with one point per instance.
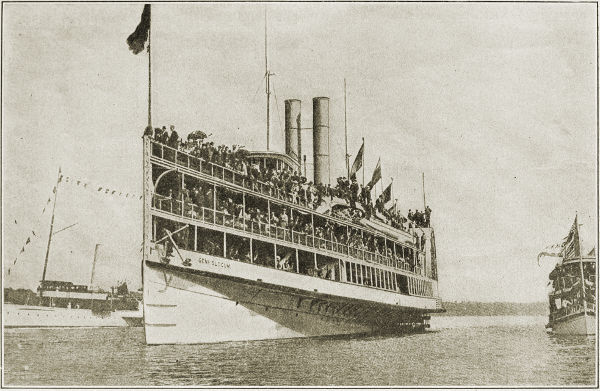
(570, 310)
(229, 175)
(225, 174)
(244, 223)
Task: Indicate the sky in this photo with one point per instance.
(494, 102)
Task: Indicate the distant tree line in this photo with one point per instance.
(474, 308)
(21, 296)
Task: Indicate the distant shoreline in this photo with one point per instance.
(474, 308)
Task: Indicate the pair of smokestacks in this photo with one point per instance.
(293, 137)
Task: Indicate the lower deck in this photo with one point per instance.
(199, 298)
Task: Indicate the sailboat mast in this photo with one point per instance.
(51, 227)
(267, 84)
(94, 264)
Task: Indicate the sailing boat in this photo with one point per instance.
(64, 304)
(572, 300)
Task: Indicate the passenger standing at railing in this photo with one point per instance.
(173, 138)
(284, 219)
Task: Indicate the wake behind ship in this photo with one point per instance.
(241, 245)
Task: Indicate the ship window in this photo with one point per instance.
(353, 270)
(365, 279)
(210, 242)
(348, 274)
(263, 253)
(286, 258)
(328, 268)
(306, 262)
(238, 248)
(367, 275)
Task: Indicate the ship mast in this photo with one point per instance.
(346, 134)
(268, 75)
(51, 227)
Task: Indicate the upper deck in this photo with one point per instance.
(236, 179)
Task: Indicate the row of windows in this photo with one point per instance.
(384, 279)
(285, 258)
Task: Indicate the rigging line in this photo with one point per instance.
(259, 86)
(277, 105)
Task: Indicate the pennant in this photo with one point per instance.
(33, 232)
(15, 221)
(78, 182)
(54, 190)
(85, 185)
(358, 160)
(100, 188)
(28, 241)
(127, 195)
(22, 250)
(120, 194)
(9, 272)
(137, 40)
(60, 177)
(49, 199)
(140, 197)
(113, 192)
(67, 180)
(43, 210)
(107, 190)
(15, 261)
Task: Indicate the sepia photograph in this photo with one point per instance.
(299, 194)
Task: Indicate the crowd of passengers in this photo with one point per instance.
(291, 185)
(280, 224)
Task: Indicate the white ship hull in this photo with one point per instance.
(220, 300)
(578, 324)
(17, 316)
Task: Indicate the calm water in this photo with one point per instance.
(457, 351)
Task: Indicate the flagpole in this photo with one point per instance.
(424, 204)
(582, 276)
(392, 190)
(51, 228)
(346, 132)
(150, 69)
(363, 162)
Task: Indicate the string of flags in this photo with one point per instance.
(101, 189)
(33, 235)
(78, 182)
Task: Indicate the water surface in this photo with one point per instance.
(456, 351)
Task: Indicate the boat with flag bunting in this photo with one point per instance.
(572, 300)
(240, 245)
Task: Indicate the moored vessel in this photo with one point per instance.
(572, 300)
(64, 304)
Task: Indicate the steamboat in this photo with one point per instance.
(65, 304)
(231, 253)
(572, 300)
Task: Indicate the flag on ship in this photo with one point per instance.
(571, 245)
(358, 160)
(376, 174)
(137, 39)
(386, 196)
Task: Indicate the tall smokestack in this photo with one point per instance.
(321, 139)
(293, 138)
